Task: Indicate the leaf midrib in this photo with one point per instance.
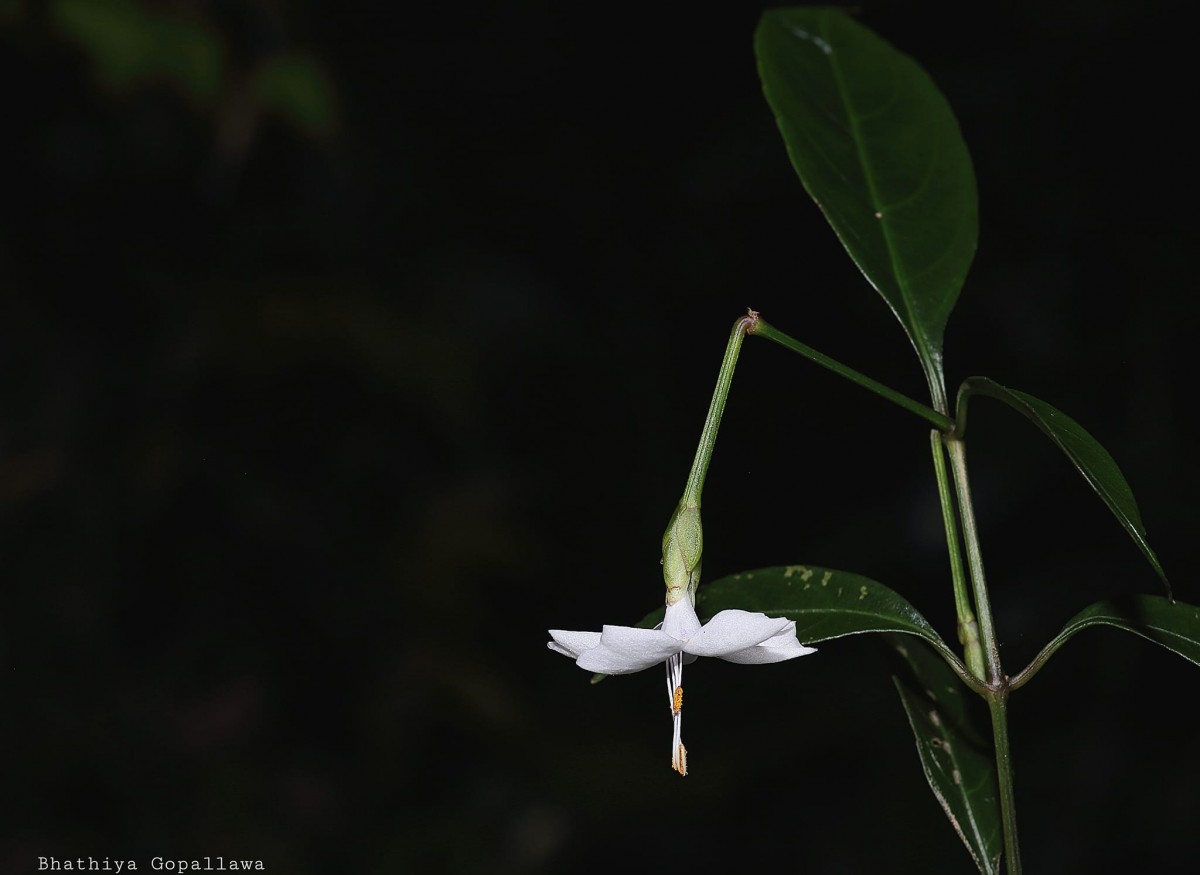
(918, 335)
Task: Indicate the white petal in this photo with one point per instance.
(731, 631)
(775, 649)
(680, 620)
(572, 643)
(625, 649)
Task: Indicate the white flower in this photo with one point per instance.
(735, 636)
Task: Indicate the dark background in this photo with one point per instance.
(347, 349)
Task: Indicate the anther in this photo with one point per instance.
(677, 701)
(679, 764)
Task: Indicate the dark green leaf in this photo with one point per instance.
(825, 604)
(1174, 625)
(878, 148)
(1084, 451)
(958, 763)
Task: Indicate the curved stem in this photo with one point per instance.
(938, 420)
(1026, 674)
(708, 437)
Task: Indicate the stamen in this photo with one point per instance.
(675, 694)
(679, 762)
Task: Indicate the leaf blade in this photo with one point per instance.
(1094, 462)
(1172, 625)
(878, 148)
(958, 764)
(825, 604)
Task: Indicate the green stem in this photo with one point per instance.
(987, 627)
(997, 681)
(708, 437)
(968, 628)
(938, 420)
(998, 705)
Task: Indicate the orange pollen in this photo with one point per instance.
(677, 703)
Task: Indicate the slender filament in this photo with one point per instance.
(675, 696)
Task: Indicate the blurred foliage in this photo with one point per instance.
(133, 44)
(136, 44)
(214, 512)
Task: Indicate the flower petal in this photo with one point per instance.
(625, 649)
(731, 631)
(572, 643)
(775, 649)
(680, 620)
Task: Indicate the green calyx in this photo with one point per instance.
(683, 542)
